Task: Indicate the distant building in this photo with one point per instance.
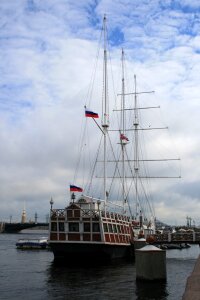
(23, 216)
(160, 225)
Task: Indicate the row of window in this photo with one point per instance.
(115, 228)
(74, 227)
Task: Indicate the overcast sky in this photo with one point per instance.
(47, 52)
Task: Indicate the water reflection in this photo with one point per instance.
(98, 282)
(151, 290)
(111, 281)
(118, 280)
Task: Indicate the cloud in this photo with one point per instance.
(47, 55)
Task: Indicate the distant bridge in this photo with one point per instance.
(17, 227)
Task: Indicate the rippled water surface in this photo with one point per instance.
(32, 274)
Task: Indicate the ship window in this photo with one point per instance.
(95, 227)
(69, 213)
(115, 228)
(74, 227)
(86, 227)
(119, 228)
(110, 228)
(77, 213)
(105, 227)
(61, 226)
(53, 226)
(82, 200)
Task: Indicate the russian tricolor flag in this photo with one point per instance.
(74, 188)
(91, 114)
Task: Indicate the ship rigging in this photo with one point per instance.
(106, 223)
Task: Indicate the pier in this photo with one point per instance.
(175, 238)
(192, 290)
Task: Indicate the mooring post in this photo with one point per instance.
(150, 263)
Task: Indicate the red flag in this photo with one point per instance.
(123, 137)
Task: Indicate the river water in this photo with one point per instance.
(32, 274)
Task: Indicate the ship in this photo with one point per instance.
(93, 227)
(31, 244)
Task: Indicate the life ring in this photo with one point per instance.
(150, 239)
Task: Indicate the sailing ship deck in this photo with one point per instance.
(83, 229)
(83, 225)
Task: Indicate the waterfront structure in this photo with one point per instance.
(150, 263)
(107, 226)
(176, 238)
(192, 289)
(17, 227)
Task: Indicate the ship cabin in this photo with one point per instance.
(85, 221)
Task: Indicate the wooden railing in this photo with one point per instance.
(60, 214)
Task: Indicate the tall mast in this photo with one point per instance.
(123, 143)
(136, 128)
(105, 119)
(136, 153)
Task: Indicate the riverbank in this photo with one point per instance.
(192, 290)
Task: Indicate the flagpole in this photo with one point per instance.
(105, 121)
(98, 126)
(123, 132)
(136, 158)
